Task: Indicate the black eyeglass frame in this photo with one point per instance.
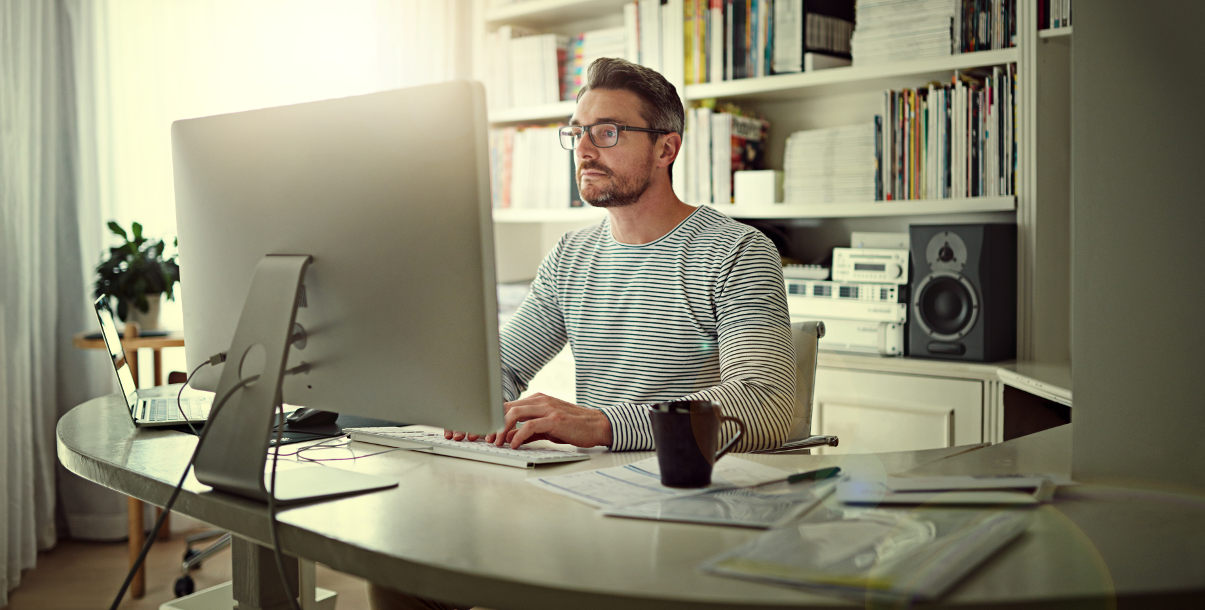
(589, 130)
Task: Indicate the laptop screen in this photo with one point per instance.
(108, 330)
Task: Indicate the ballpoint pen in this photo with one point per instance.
(811, 475)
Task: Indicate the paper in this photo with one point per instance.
(641, 481)
(915, 554)
(762, 507)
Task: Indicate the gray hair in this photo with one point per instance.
(662, 108)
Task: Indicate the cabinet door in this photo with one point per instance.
(873, 412)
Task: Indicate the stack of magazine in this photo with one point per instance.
(835, 164)
(892, 554)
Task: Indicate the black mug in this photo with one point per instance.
(686, 433)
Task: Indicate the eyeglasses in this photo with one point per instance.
(602, 135)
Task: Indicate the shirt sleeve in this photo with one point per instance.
(757, 356)
(535, 333)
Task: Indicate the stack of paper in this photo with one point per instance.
(895, 30)
(830, 165)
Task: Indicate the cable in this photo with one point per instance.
(277, 554)
(171, 501)
(215, 360)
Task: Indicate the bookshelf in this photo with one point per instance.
(847, 80)
(1040, 207)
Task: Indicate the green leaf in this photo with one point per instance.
(117, 230)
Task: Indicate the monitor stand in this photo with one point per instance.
(234, 454)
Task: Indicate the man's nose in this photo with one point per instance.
(585, 148)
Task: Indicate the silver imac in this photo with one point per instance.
(386, 197)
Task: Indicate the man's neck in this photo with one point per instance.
(650, 218)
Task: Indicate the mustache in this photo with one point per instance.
(593, 166)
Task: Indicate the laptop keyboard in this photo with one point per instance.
(164, 409)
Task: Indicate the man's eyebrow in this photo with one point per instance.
(574, 121)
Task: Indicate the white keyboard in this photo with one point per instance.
(434, 442)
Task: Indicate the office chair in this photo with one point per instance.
(806, 337)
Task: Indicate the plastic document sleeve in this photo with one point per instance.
(893, 554)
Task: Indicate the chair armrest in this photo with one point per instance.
(818, 440)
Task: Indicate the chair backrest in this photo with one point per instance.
(806, 336)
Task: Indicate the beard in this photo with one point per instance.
(622, 191)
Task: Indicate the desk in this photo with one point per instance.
(478, 533)
(132, 342)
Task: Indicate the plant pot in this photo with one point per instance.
(150, 319)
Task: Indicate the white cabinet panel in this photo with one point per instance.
(873, 411)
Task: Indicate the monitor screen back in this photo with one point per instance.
(389, 193)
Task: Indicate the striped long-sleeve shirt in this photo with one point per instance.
(698, 314)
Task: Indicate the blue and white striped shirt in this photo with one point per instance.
(700, 313)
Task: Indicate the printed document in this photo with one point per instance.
(641, 481)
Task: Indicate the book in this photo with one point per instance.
(891, 554)
(802, 26)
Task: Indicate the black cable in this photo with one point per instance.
(180, 397)
(171, 501)
(277, 554)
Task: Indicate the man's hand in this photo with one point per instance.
(545, 417)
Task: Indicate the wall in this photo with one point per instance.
(1137, 222)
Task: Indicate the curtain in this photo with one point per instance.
(88, 91)
(39, 273)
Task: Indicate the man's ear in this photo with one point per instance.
(669, 149)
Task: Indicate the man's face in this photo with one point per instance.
(619, 175)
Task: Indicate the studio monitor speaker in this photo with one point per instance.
(964, 292)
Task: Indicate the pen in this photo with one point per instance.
(814, 475)
(811, 475)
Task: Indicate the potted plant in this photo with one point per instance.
(135, 274)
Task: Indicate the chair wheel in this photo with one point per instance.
(184, 586)
(189, 554)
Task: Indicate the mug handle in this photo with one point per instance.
(739, 433)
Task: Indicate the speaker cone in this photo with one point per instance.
(946, 306)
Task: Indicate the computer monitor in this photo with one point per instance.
(389, 194)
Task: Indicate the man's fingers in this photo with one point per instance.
(533, 429)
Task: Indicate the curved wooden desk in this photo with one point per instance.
(479, 534)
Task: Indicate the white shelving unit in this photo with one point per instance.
(839, 96)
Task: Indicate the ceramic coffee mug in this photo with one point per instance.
(687, 433)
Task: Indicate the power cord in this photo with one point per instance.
(215, 360)
(277, 553)
(171, 501)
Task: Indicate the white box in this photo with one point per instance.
(757, 187)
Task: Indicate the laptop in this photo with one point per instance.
(152, 406)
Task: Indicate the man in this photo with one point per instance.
(660, 301)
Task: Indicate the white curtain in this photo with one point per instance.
(39, 273)
(88, 91)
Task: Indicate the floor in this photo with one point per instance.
(77, 575)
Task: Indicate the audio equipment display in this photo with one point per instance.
(964, 292)
(887, 266)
